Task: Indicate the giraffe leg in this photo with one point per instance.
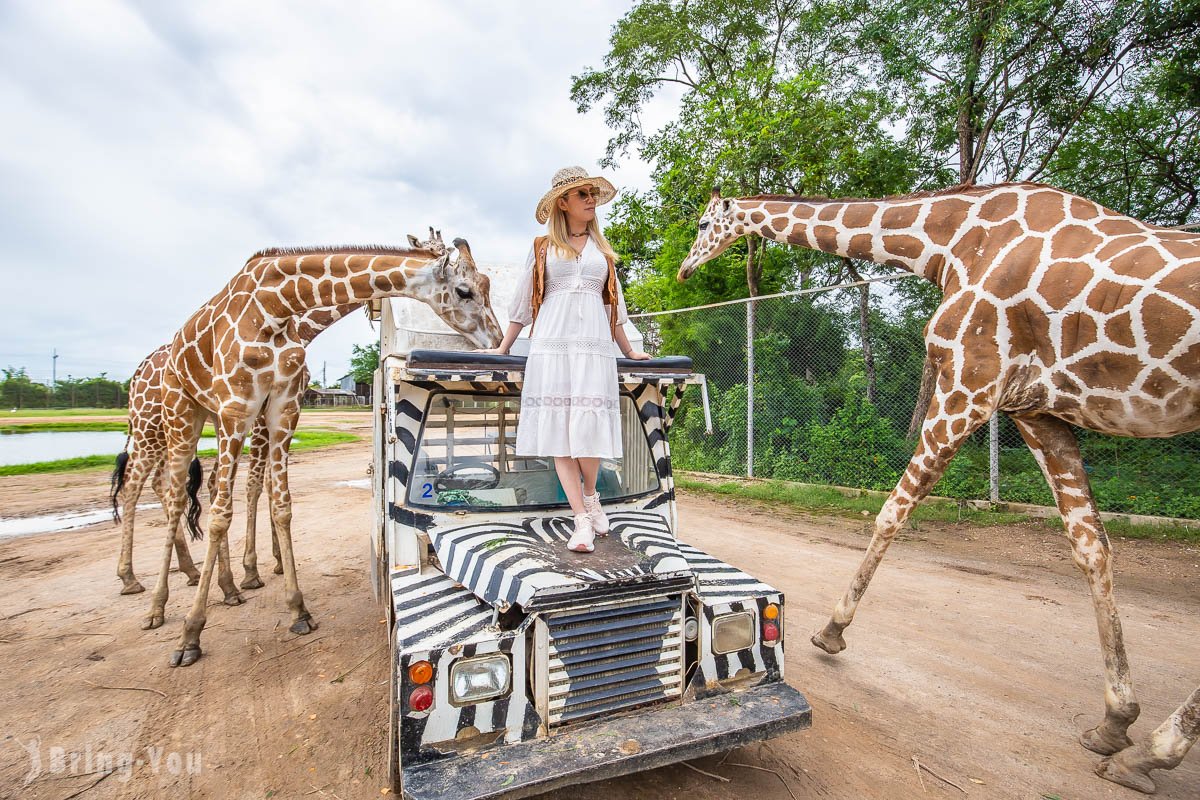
(285, 419)
(136, 472)
(178, 460)
(259, 444)
(1165, 748)
(233, 596)
(231, 433)
(1057, 453)
(937, 445)
(229, 589)
(183, 554)
(278, 568)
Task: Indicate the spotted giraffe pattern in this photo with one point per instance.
(241, 355)
(146, 448)
(1056, 311)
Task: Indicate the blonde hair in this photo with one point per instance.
(556, 227)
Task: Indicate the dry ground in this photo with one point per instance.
(975, 651)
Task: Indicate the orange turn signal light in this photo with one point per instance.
(420, 672)
(771, 611)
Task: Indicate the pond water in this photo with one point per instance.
(28, 448)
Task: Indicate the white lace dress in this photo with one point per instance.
(569, 405)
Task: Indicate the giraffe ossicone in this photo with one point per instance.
(1056, 311)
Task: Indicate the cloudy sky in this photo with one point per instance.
(148, 148)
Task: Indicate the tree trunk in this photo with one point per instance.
(753, 267)
(864, 327)
(928, 377)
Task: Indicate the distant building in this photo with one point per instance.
(329, 397)
(360, 390)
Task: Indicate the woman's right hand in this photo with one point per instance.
(494, 351)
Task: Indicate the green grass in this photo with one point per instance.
(72, 427)
(1123, 529)
(62, 427)
(61, 465)
(65, 412)
(310, 439)
(306, 439)
(827, 500)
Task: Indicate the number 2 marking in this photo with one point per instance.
(428, 490)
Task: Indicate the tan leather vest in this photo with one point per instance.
(608, 294)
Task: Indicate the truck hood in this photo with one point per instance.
(506, 563)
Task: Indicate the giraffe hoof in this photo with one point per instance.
(132, 587)
(152, 621)
(186, 657)
(1112, 770)
(234, 599)
(278, 568)
(303, 626)
(193, 578)
(252, 581)
(1103, 743)
(829, 639)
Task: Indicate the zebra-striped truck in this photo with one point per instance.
(519, 666)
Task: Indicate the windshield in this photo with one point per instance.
(467, 459)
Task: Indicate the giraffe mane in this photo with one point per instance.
(332, 250)
(958, 189)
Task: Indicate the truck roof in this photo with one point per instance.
(459, 365)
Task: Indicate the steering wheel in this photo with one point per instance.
(460, 477)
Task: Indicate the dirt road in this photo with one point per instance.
(975, 652)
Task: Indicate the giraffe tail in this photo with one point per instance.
(195, 478)
(117, 483)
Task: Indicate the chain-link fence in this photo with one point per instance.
(828, 411)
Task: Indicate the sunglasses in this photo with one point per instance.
(584, 193)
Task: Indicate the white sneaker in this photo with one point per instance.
(581, 539)
(596, 513)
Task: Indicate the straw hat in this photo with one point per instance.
(567, 179)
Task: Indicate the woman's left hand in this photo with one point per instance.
(638, 355)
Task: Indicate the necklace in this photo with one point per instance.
(576, 235)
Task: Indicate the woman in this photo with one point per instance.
(569, 293)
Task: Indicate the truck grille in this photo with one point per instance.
(614, 655)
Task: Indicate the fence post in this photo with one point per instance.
(750, 388)
(994, 457)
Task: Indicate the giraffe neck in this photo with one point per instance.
(312, 323)
(320, 288)
(894, 232)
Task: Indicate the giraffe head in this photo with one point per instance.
(718, 230)
(433, 244)
(461, 295)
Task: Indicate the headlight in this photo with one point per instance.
(691, 629)
(733, 632)
(474, 680)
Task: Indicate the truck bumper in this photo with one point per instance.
(622, 745)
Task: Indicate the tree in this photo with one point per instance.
(1029, 89)
(363, 362)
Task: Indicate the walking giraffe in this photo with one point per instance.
(1056, 311)
(145, 451)
(241, 355)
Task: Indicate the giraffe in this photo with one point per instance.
(145, 450)
(142, 456)
(1056, 311)
(240, 355)
(310, 325)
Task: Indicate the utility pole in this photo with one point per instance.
(54, 373)
(324, 383)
